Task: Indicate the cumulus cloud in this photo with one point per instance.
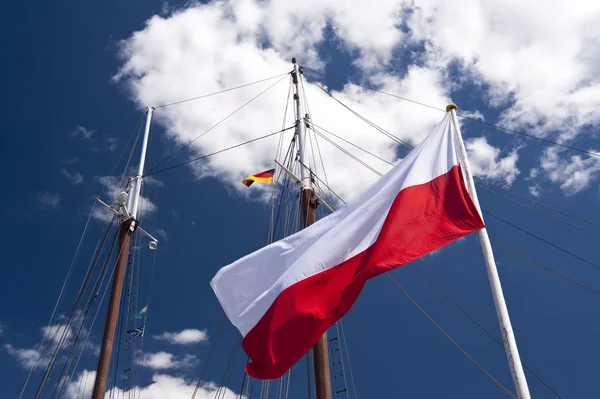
(49, 200)
(184, 337)
(538, 61)
(535, 64)
(162, 386)
(232, 38)
(572, 173)
(486, 161)
(75, 178)
(165, 360)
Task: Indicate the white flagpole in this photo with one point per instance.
(508, 336)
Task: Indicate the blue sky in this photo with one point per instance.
(76, 82)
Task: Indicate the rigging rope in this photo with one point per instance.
(218, 123)
(348, 359)
(360, 365)
(533, 262)
(591, 153)
(538, 211)
(541, 239)
(216, 152)
(480, 325)
(220, 92)
(479, 366)
(210, 352)
(71, 313)
(354, 145)
(538, 202)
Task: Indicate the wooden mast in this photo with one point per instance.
(112, 317)
(309, 208)
(128, 227)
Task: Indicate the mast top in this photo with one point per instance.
(451, 107)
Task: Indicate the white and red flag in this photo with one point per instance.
(283, 297)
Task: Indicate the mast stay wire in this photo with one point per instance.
(92, 266)
(73, 263)
(480, 325)
(533, 262)
(533, 201)
(218, 123)
(81, 320)
(591, 153)
(541, 239)
(310, 126)
(208, 357)
(220, 92)
(479, 366)
(538, 211)
(151, 173)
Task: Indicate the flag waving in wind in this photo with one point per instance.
(283, 297)
(262, 177)
(142, 314)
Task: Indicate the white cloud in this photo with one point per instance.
(539, 58)
(184, 337)
(49, 200)
(74, 178)
(111, 143)
(162, 386)
(161, 65)
(161, 234)
(535, 190)
(152, 181)
(573, 173)
(27, 358)
(84, 133)
(165, 360)
(486, 161)
(57, 331)
(536, 63)
(52, 336)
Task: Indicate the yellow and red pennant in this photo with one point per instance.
(262, 177)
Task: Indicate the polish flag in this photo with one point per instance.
(283, 297)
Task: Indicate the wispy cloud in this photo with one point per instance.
(70, 161)
(165, 360)
(49, 200)
(83, 133)
(151, 181)
(112, 143)
(184, 337)
(535, 190)
(74, 178)
(162, 234)
(27, 358)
